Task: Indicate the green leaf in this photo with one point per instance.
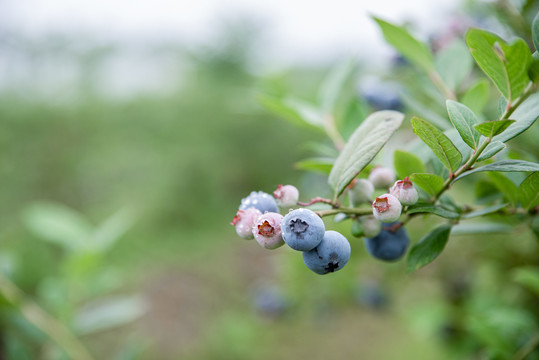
(505, 64)
(524, 116)
(492, 149)
(476, 97)
(320, 164)
(485, 192)
(454, 64)
(406, 163)
(484, 211)
(533, 70)
(504, 166)
(528, 192)
(296, 111)
(432, 209)
(431, 183)
(493, 128)
(58, 224)
(440, 144)
(420, 107)
(412, 49)
(463, 148)
(480, 228)
(535, 32)
(464, 120)
(111, 230)
(428, 248)
(334, 83)
(109, 313)
(504, 185)
(362, 147)
(502, 105)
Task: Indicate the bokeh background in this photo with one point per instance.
(130, 131)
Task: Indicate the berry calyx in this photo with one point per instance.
(386, 208)
(267, 230)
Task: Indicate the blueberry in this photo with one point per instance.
(382, 177)
(370, 225)
(302, 229)
(270, 301)
(261, 201)
(330, 255)
(244, 221)
(267, 230)
(361, 192)
(386, 208)
(286, 196)
(404, 191)
(372, 296)
(357, 229)
(381, 96)
(388, 245)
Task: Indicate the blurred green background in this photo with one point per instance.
(115, 220)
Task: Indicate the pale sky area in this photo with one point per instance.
(295, 31)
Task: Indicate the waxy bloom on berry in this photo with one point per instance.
(303, 229)
(361, 192)
(386, 208)
(286, 195)
(261, 201)
(267, 230)
(404, 191)
(382, 177)
(244, 221)
(371, 226)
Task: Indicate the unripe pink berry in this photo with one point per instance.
(382, 177)
(244, 221)
(267, 230)
(361, 192)
(404, 191)
(370, 225)
(286, 195)
(386, 208)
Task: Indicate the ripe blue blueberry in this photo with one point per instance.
(302, 229)
(388, 245)
(380, 95)
(372, 296)
(330, 255)
(270, 301)
(261, 201)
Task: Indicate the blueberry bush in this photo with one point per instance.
(463, 144)
(457, 131)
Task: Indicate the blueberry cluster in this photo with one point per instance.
(326, 251)
(385, 238)
(301, 229)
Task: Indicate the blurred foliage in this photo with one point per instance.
(115, 212)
